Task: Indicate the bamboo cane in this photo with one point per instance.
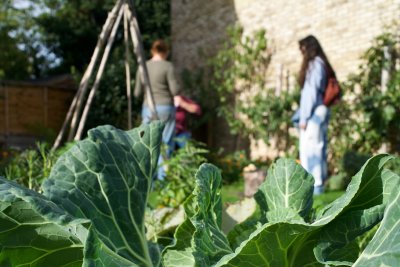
(139, 51)
(127, 69)
(77, 101)
(98, 76)
(86, 79)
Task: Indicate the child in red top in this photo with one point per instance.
(183, 105)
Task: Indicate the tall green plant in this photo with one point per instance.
(238, 77)
(368, 116)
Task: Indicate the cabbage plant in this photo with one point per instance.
(91, 213)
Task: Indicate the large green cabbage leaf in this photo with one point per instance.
(287, 237)
(36, 232)
(92, 210)
(384, 248)
(199, 239)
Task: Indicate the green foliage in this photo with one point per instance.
(181, 168)
(74, 40)
(238, 78)
(231, 165)
(271, 116)
(285, 234)
(92, 207)
(110, 102)
(195, 85)
(20, 47)
(92, 211)
(31, 166)
(367, 118)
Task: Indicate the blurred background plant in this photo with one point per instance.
(231, 165)
(179, 182)
(249, 107)
(366, 121)
(30, 167)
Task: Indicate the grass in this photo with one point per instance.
(232, 192)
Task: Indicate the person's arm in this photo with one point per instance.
(172, 82)
(308, 100)
(138, 85)
(187, 104)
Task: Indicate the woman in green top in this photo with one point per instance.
(164, 88)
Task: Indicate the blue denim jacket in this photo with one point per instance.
(313, 89)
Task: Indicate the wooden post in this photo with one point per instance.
(85, 80)
(139, 51)
(77, 101)
(98, 76)
(127, 69)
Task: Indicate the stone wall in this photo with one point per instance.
(198, 28)
(345, 29)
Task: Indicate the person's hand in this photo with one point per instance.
(303, 126)
(177, 101)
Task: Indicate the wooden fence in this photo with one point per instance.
(29, 111)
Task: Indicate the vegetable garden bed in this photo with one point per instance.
(92, 211)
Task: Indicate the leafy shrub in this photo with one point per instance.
(181, 169)
(238, 78)
(231, 165)
(91, 213)
(367, 119)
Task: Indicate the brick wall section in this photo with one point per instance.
(198, 27)
(345, 29)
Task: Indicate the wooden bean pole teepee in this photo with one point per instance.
(125, 9)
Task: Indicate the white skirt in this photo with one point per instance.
(313, 145)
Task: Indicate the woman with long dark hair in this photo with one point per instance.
(314, 115)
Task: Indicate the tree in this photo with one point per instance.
(15, 57)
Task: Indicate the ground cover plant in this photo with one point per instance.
(92, 209)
